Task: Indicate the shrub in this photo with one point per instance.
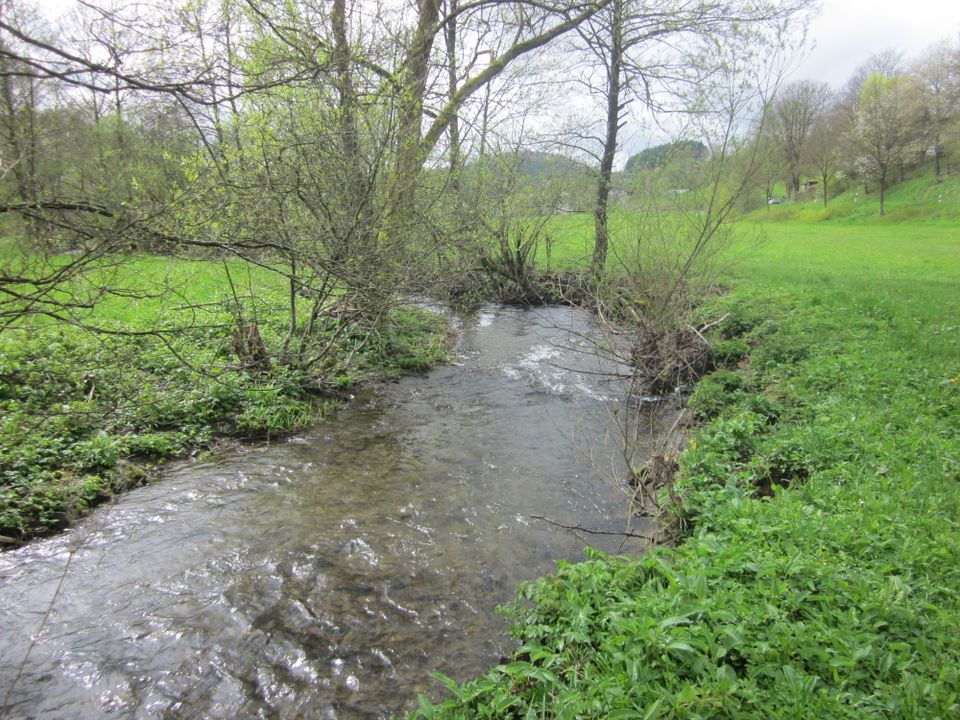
(729, 352)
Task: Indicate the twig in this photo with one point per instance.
(715, 322)
(580, 528)
(707, 327)
(36, 638)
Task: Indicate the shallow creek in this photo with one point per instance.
(327, 575)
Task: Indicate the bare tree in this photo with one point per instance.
(822, 150)
(656, 54)
(796, 109)
(531, 26)
(20, 96)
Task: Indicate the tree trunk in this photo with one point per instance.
(450, 36)
(24, 160)
(410, 153)
(355, 207)
(614, 108)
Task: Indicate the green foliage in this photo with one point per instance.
(729, 352)
(818, 574)
(413, 342)
(75, 406)
(537, 164)
(715, 392)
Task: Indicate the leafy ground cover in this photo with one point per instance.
(820, 499)
(85, 415)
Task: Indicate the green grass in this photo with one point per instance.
(920, 202)
(572, 237)
(819, 574)
(77, 407)
(918, 199)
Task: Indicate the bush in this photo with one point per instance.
(729, 352)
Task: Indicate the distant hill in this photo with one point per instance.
(657, 156)
(534, 163)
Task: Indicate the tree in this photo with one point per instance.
(822, 149)
(882, 128)
(659, 54)
(531, 28)
(796, 109)
(20, 99)
(657, 156)
(299, 108)
(938, 75)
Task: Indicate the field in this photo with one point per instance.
(820, 496)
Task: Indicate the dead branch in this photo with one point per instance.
(581, 528)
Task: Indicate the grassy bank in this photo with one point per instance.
(85, 415)
(918, 199)
(819, 574)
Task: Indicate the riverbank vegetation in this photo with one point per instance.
(214, 212)
(87, 414)
(214, 218)
(817, 505)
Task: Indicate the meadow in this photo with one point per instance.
(818, 506)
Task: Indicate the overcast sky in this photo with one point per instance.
(843, 36)
(847, 32)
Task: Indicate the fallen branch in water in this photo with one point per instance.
(35, 639)
(580, 528)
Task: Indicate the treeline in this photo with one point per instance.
(346, 139)
(891, 116)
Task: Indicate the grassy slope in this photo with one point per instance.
(75, 406)
(834, 598)
(917, 199)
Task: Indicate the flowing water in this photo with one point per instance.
(326, 575)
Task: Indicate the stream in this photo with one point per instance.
(328, 574)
